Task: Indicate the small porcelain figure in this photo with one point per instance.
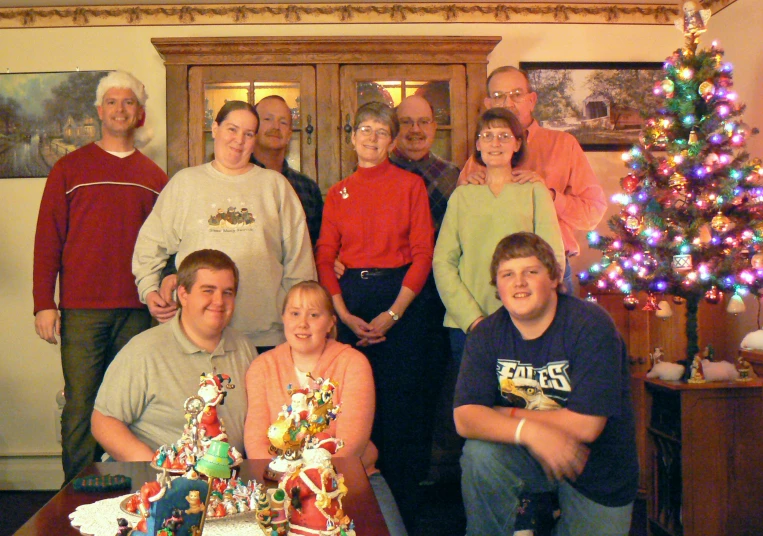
(696, 375)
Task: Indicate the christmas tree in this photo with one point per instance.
(690, 220)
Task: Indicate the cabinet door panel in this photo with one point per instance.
(443, 85)
(211, 87)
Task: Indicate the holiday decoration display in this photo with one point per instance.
(315, 492)
(202, 427)
(691, 218)
(310, 412)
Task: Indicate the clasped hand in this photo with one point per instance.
(372, 332)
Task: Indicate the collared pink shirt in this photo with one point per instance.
(557, 156)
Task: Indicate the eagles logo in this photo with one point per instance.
(527, 390)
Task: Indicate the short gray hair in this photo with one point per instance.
(381, 112)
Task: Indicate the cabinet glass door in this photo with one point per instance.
(444, 86)
(212, 87)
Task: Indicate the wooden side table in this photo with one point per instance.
(704, 458)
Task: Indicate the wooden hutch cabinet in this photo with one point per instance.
(323, 80)
(704, 460)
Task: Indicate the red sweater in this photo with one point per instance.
(377, 217)
(92, 208)
(271, 373)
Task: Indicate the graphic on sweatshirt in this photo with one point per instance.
(527, 387)
(233, 217)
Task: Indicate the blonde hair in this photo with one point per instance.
(312, 294)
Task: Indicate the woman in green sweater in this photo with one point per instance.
(479, 216)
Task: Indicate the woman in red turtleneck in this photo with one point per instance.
(377, 222)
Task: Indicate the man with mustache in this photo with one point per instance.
(413, 153)
(270, 148)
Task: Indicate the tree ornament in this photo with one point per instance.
(678, 300)
(736, 305)
(677, 181)
(693, 136)
(632, 223)
(757, 261)
(694, 21)
(629, 183)
(705, 236)
(664, 311)
(682, 263)
(630, 302)
(713, 296)
(721, 223)
(651, 303)
(707, 90)
(668, 87)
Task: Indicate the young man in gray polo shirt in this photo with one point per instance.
(140, 403)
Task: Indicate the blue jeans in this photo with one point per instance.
(495, 475)
(457, 344)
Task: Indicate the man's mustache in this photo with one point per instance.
(415, 137)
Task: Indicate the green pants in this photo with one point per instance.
(90, 339)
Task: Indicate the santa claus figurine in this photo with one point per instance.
(315, 491)
(212, 390)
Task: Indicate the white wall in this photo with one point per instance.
(31, 368)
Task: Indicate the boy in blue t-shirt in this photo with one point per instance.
(543, 399)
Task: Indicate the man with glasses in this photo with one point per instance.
(413, 153)
(553, 157)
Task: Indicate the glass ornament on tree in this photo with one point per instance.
(691, 211)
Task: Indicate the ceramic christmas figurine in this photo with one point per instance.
(309, 413)
(696, 375)
(202, 426)
(315, 492)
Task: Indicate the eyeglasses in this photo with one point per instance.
(367, 130)
(516, 95)
(503, 137)
(422, 122)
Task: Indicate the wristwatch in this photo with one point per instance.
(394, 315)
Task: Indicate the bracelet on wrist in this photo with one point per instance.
(518, 431)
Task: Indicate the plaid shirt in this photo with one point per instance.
(309, 195)
(439, 176)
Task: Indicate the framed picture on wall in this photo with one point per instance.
(44, 116)
(603, 104)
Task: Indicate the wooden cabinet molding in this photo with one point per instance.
(327, 54)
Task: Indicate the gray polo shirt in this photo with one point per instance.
(151, 377)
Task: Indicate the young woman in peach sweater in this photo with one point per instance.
(310, 348)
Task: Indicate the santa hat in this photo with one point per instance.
(125, 80)
(323, 440)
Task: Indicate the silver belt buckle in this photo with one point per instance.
(364, 274)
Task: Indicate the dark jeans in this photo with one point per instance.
(90, 339)
(401, 367)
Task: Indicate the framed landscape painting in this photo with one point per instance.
(44, 116)
(603, 104)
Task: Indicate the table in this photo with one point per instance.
(360, 503)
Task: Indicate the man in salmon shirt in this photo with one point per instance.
(553, 157)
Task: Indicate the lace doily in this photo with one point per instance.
(100, 519)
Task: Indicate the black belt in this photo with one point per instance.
(368, 273)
